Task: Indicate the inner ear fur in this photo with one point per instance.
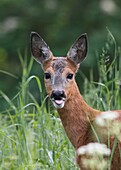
(39, 49)
(78, 50)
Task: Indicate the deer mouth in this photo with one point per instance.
(58, 98)
(58, 103)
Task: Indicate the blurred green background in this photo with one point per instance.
(59, 23)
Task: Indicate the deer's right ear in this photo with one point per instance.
(78, 51)
(39, 48)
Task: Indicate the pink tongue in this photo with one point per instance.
(59, 101)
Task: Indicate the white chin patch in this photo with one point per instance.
(58, 104)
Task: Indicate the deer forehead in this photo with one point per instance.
(60, 65)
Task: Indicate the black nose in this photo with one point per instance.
(58, 94)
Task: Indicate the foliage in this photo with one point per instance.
(106, 92)
(31, 134)
(59, 23)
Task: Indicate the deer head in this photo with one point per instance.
(59, 71)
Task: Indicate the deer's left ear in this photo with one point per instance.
(78, 51)
(39, 48)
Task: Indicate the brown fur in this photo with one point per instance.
(76, 115)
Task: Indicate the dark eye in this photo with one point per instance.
(70, 76)
(47, 76)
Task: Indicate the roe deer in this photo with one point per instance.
(76, 115)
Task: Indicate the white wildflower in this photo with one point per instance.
(92, 156)
(94, 148)
(102, 119)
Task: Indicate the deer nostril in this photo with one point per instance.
(58, 95)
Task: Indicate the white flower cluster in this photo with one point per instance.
(109, 120)
(106, 116)
(94, 148)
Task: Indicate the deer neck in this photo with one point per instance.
(76, 117)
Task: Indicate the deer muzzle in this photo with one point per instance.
(58, 98)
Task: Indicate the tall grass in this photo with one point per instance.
(105, 94)
(32, 136)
